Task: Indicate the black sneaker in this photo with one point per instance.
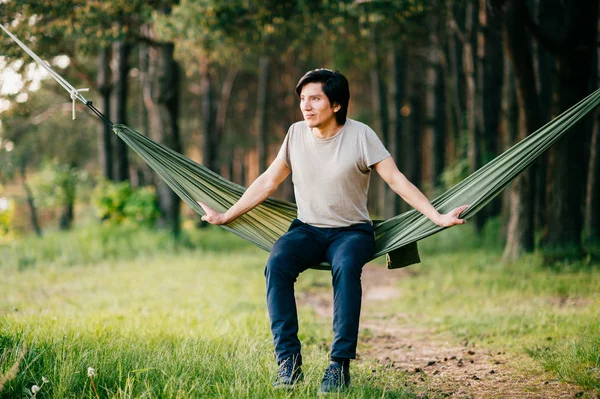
(289, 374)
(336, 378)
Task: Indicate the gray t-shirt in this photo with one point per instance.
(331, 176)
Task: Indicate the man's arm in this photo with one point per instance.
(389, 172)
(258, 191)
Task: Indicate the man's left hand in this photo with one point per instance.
(451, 218)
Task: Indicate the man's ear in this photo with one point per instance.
(336, 107)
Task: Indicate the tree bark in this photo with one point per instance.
(30, 201)
(397, 94)
(67, 215)
(222, 109)
(120, 71)
(592, 203)
(592, 200)
(520, 235)
(69, 188)
(546, 75)
(490, 74)
(145, 173)
(434, 126)
(508, 130)
(161, 96)
(566, 205)
(105, 151)
(380, 113)
(469, 71)
(453, 78)
(261, 113)
(210, 145)
(411, 137)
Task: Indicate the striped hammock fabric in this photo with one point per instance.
(396, 237)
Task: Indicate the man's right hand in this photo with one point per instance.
(212, 216)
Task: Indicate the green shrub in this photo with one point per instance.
(58, 184)
(120, 203)
(6, 213)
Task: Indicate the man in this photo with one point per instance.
(330, 158)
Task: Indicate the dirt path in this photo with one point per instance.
(436, 363)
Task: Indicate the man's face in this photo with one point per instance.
(315, 106)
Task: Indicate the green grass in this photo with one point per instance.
(157, 318)
(184, 325)
(93, 244)
(550, 313)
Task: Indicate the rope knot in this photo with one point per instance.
(74, 96)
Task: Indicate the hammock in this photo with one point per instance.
(396, 237)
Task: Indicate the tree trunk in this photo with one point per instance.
(566, 205)
(508, 130)
(452, 79)
(520, 235)
(469, 71)
(68, 186)
(210, 145)
(262, 143)
(105, 151)
(67, 215)
(30, 201)
(223, 108)
(490, 74)
(397, 94)
(546, 76)
(145, 173)
(120, 70)
(161, 97)
(434, 125)
(592, 200)
(411, 140)
(380, 113)
(592, 203)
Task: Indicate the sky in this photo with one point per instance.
(13, 82)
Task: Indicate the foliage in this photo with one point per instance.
(120, 203)
(455, 173)
(57, 184)
(6, 215)
(41, 132)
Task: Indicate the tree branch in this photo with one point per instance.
(454, 27)
(148, 41)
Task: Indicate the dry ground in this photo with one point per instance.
(437, 362)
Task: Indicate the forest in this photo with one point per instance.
(111, 286)
(446, 85)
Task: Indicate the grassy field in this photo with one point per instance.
(155, 318)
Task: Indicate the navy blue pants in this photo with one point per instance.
(346, 249)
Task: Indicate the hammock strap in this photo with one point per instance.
(74, 93)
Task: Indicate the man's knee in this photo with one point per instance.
(347, 268)
(279, 266)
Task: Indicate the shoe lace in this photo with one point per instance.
(285, 368)
(333, 374)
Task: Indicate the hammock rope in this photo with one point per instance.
(396, 237)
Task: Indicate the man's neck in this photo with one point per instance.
(327, 131)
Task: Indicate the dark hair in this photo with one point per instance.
(335, 87)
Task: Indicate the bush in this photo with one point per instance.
(59, 184)
(120, 203)
(6, 213)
